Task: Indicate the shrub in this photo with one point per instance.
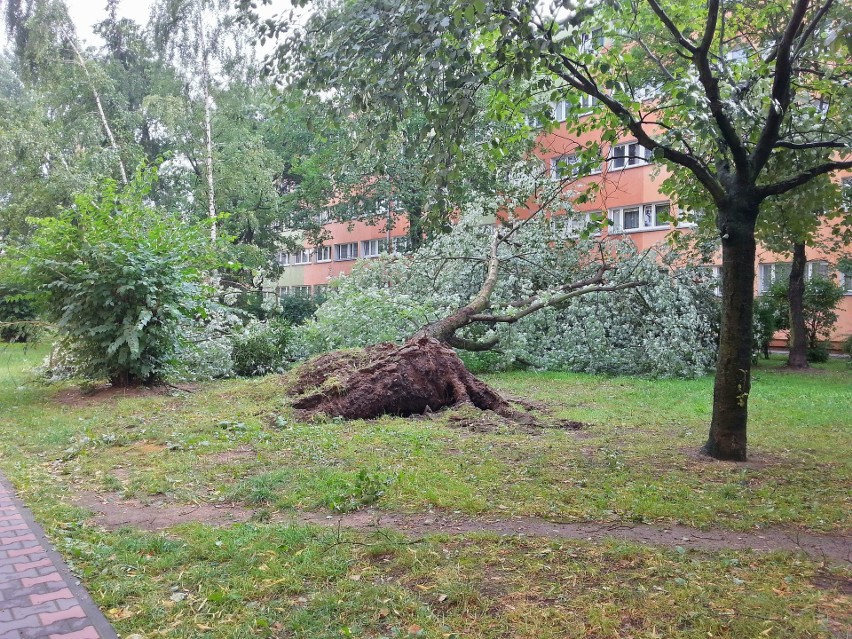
(297, 310)
(262, 349)
(117, 276)
(821, 299)
(17, 313)
(207, 340)
(818, 353)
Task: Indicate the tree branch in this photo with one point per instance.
(781, 94)
(670, 25)
(556, 300)
(803, 178)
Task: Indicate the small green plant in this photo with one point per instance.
(818, 353)
(821, 299)
(366, 489)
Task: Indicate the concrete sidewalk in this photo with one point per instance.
(39, 597)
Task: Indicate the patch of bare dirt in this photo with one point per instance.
(111, 511)
(839, 583)
(756, 460)
(106, 392)
(228, 456)
(489, 422)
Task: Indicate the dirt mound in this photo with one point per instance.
(420, 376)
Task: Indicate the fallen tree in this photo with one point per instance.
(425, 374)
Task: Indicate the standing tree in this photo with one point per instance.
(197, 35)
(719, 89)
(789, 224)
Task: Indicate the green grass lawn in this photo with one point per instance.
(236, 441)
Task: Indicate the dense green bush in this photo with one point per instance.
(117, 276)
(262, 349)
(818, 353)
(18, 315)
(765, 325)
(821, 299)
(296, 310)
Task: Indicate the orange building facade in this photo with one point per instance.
(628, 192)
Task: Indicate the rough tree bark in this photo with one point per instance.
(727, 438)
(796, 298)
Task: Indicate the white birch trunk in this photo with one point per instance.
(208, 128)
(113, 144)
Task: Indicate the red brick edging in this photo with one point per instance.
(39, 597)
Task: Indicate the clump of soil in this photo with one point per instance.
(423, 375)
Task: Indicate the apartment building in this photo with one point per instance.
(628, 192)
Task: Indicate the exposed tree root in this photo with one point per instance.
(420, 376)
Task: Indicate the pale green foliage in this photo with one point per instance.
(117, 276)
(667, 328)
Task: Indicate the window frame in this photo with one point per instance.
(774, 274)
(323, 250)
(381, 246)
(556, 175)
(302, 257)
(338, 250)
(641, 158)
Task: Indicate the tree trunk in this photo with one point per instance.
(727, 439)
(208, 126)
(104, 122)
(796, 295)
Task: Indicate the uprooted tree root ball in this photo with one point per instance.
(420, 376)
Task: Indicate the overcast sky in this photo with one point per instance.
(85, 13)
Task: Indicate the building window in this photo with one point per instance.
(588, 102)
(817, 268)
(372, 248)
(625, 155)
(847, 281)
(283, 291)
(323, 253)
(769, 274)
(401, 244)
(320, 290)
(283, 259)
(713, 274)
(571, 225)
(560, 111)
(639, 218)
(564, 167)
(302, 257)
(590, 42)
(302, 291)
(656, 215)
(346, 251)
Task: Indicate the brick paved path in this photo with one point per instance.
(39, 597)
